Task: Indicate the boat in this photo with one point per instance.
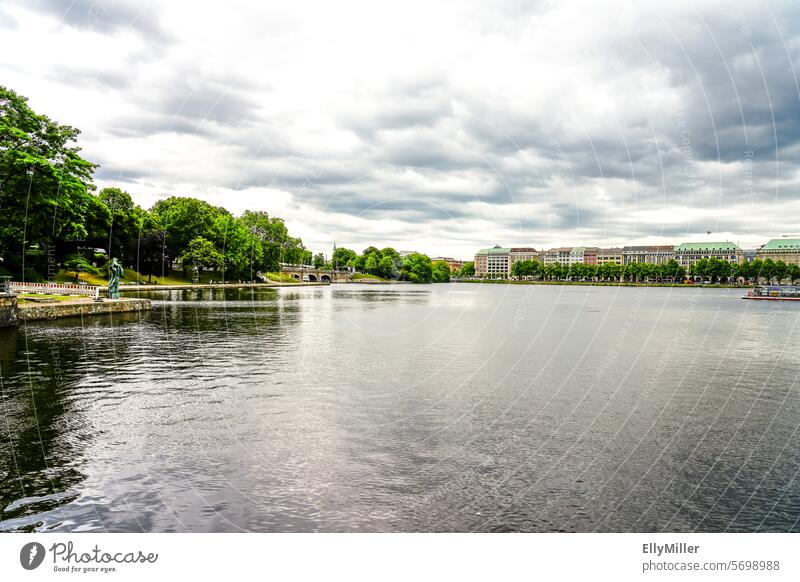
(774, 293)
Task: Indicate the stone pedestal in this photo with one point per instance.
(8, 310)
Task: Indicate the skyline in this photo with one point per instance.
(535, 123)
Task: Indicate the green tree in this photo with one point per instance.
(440, 272)
(371, 264)
(45, 185)
(319, 261)
(468, 270)
(388, 267)
(202, 253)
(185, 219)
(342, 257)
(417, 268)
(241, 249)
(793, 273)
(125, 224)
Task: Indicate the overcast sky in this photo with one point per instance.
(441, 127)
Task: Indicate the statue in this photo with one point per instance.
(114, 275)
(195, 275)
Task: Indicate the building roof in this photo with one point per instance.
(523, 250)
(559, 250)
(709, 246)
(496, 250)
(610, 251)
(650, 249)
(782, 244)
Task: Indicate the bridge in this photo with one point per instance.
(313, 275)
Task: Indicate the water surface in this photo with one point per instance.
(454, 407)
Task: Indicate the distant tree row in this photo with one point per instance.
(51, 218)
(388, 264)
(711, 269)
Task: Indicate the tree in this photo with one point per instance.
(371, 264)
(185, 219)
(240, 248)
(276, 245)
(79, 264)
(319, 261)
(440, 272)
(793, 272)
(468, 270)
(780, 271)
(202, 253)
(125, 224)
(153, 256)
(45, 185)
(417, 268)
(388, 267)
(342, 257)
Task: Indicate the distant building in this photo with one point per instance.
(609, 256)
(454, 264)
(521, 254)
(576, 255)
(688, 254)
(781, 249)
(654, 254)
(590, 255)
(557, 255)
(493, 262)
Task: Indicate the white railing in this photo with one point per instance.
(55, 289)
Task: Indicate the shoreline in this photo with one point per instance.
(183, 286)
(607, 284)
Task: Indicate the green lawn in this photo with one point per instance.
(25, 298)
(367, 277)
(281, 278)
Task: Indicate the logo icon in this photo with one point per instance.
(31, 555)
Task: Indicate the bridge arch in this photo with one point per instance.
(296, 276)
(325, 278)
(312, 278)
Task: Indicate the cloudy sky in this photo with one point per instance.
(434, 126)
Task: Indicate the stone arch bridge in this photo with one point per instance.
(312, 275)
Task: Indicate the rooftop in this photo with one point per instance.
(496, 250)
(650, 248)
(709, 246)
(782, 244)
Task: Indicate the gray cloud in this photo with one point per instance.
(675, 120)
(106, 16)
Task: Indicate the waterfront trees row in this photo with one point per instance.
(711, 269)
(387, 263)
(50, 216)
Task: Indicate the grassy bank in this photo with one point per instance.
(281, 278)
(603, 284)
(131, 277)
(366, 277)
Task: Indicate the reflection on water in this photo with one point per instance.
(406, 408)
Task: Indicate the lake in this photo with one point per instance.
(452, 407)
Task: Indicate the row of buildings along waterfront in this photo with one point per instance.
(498, 261)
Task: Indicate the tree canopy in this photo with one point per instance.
(49, 214)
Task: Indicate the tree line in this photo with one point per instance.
(51, 218)
(388, 264)
(710, 269)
